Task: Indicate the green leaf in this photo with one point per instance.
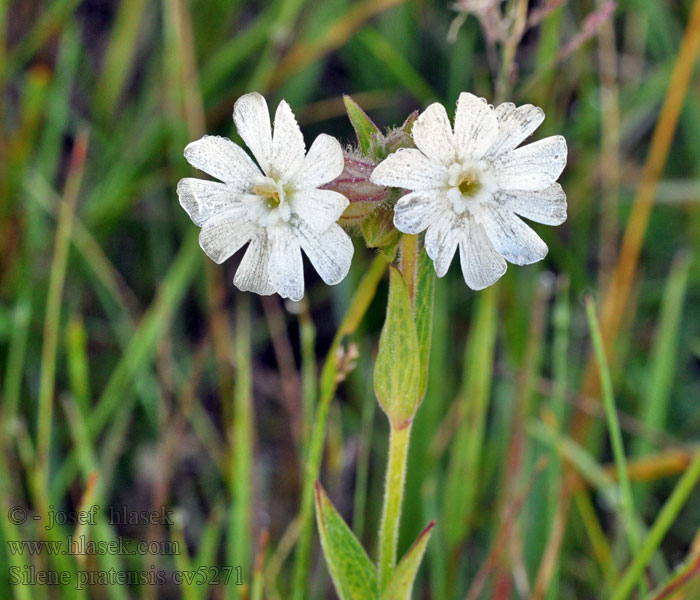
(362, 124)
(401, 583)
(397, 369)
(354, 576)
(425, 297)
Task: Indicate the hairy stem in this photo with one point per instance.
(393, 499)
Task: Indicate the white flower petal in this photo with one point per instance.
(441, 240)
(330, 252)
(515, 125)
(205, 199)
(476, 127)
(414, 212)
(512, 239)
(532, 167)
(252, 119)
(546, 206)
(323, 163)
(223, 235)
(410, 169)
(285, 269)
(288, 148)
(432, 134)
(319, 208)
(482, 266)
(221, 158)
(252, 274)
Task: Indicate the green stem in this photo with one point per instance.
(241, 448)
(53, 314)
(399, 438)
(626, 499)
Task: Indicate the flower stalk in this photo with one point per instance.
(399, 440)
(400, 399)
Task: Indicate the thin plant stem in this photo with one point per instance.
(399, 438)
(53, 312)
(626, 499)
(309, 382)
(241, 444)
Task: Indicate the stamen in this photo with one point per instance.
(468, 184)
(269, 192)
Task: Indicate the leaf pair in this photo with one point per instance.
(353, 573)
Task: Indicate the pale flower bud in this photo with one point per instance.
(354, 184)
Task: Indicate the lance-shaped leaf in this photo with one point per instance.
(401, 583)
(397, 369)
(423, 307)
(365, 129)
(353, 574)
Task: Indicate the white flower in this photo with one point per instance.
(468, 186)
(277, 207)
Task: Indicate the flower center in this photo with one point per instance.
(269, 193)
(468, 185)
(272, 207)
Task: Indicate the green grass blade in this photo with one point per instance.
(119, 58)
(665, 519)
(396, 65)
(241, 448)
(626, 499)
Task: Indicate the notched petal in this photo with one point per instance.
(288, 148)
(203, 200)
(330, 252)
(512, 238)
(532, 167)
(432, 134)
(410, 169)
(546, 206)
(223, 159)
(481, 265)
(252, 119)
(323, 163)
(476, 127)
(252, 274)
(414, 212)
(441, 240)
(223, 235)
(515, 125)
(285, 269)
(319, 208)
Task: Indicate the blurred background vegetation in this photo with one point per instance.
(135, 375)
